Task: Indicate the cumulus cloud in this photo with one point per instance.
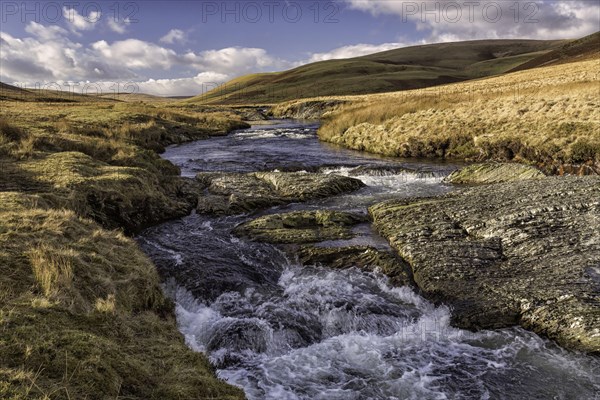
(174, 36)
(50, 55)
(135, 54)
(355, 50)
(237, 60)
(45, 33)
(118, 26)
(201, 83)
(450, 20)
(78, 22)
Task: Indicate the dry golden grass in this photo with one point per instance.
(52, 268)
(547, 116)
(82, 315)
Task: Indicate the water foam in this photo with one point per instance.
(350, 335)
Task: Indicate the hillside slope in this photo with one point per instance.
(582, 49)
(547, 116)
(15, 93)
(400, 69)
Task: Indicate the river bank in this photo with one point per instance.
(82, 313)
(546, 117)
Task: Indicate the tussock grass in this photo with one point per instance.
(82, 314)
(106, 331)
(52, 268)
(101, 159)
(549, 117)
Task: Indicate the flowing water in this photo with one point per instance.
(282, 331)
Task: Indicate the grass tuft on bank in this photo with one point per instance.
(82, 314)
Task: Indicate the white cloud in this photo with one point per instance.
(450, 20)
(78, 22)
(135, 54)
(238, 60)
(46, 56)
(201, 83)
(355, 50)
(118, 26)
(49, 55)
(174, 36)
(45, 33)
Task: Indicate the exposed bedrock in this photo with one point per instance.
(301, 226)
(236, 193)
(491, 172)
(523, 252)
(299, 229)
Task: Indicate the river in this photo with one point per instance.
(282, 331)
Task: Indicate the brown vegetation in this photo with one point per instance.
(82, 314)
(548, 116)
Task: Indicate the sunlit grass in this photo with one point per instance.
(547, 116)
(82, 314)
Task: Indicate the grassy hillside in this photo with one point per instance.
(548, 116)
(577, 50)
(141, 98)
(14, 93)
(82, 315)
(400, 69)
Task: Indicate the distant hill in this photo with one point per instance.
(577, 50)
(14, 93)
(400, 69)
(141, 97)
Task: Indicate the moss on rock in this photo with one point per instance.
(301, 226)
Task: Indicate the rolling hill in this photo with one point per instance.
(582, 49)
(400, 69)
(14, 93)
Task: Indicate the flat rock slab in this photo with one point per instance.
(301, 226)
(524, 252)
(236, 193)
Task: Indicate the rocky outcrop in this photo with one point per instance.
(494, 173)
(297, 229)
(235, 193)
(524, 252)
(364, 257)
(301, 226)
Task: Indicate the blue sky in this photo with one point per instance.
(185, 47)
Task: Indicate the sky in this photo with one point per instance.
(180, 48)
